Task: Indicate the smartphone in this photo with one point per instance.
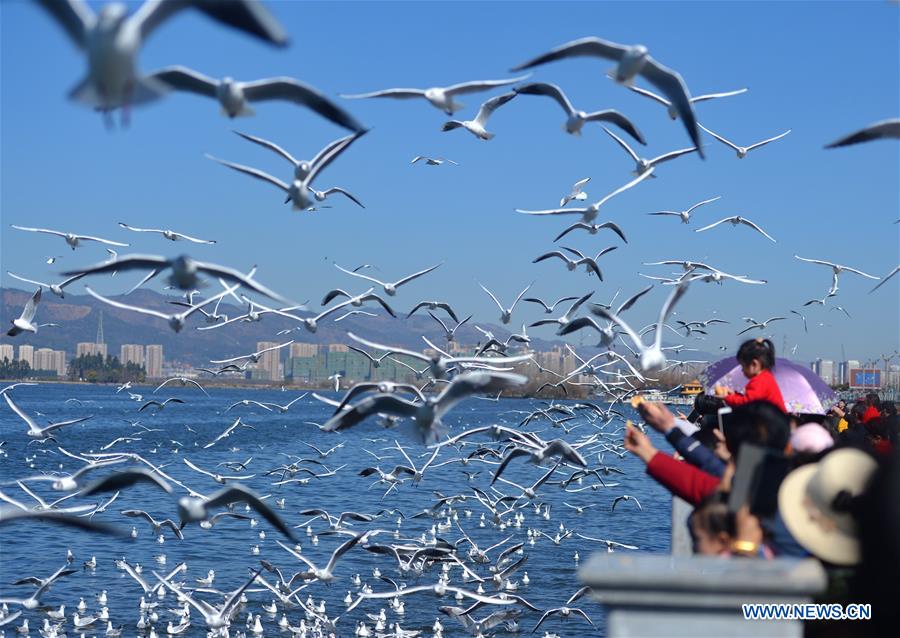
(720, 415)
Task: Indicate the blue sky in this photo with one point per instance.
(805, 70)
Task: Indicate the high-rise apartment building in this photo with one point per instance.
(131, 353)
(26, 354)
(153, 361)
(47, 359)
(7, 352)
(270, 362)
(91, 349)
(304, 349)
(825, 369)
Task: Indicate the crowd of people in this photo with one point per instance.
(767, 483)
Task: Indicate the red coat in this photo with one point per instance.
(682, 479)
(871, 414)
(762, 387)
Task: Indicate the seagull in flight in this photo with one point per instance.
(884, 129)
(548, 309)
(672, 111)
(837, 269)
(434, 305)
(193, 509)
(631, 61)
(506, 313)
(302, 168)
(176, 321)
(802, 318)
(299, 192)
(590, 264)
(577, 192)
(235, 97)
(762, 325)
(25, 322)
(254, 357)
(111, 41)
(433, 161)
(685, 215)
(34, 430)
(171, 235)
(743, 150)
(652, 358)
(589, 213)
(390, 289)
(736, 220)
(441, 97)
(642, 165)
(184, 272)
(56, 289)
(593, 229)
(74, 240)
(477, 126)
(566, 318)
(575, 120)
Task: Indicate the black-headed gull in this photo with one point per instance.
(589, 263)
(736, 220)
(743, 150)
(836, 269)
(576, 119)
(433, 161)
(441, 97)
(685, 215)
(643, 165)
(477, 126)
(74, 240)
(111, 40)
(506, 313)
(670, 108)
(235, 96)
(171, 235)
(631, 61)
(56, 289)
(761, 325)
(25, 322)
(593, 229)
(577, 192)
(390, 288)
(303, 167)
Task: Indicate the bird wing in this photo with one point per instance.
(360, 275)
(557, 211)
(720, 138)
(671, 155)
(884, 279)
(182, 78)
(555, 253)
(577, 324)
(109, 242)
(39, 230)
(712, 96)
(476, 86)
(747, 222)
(378, 346)
(252, 172)
(125, 263)
(623, 144)
(667, 307)
(401, 94)
(491, 105)
(121, 480)
(705, 201)
(764, 142)
(378, 403)
(245, 15)
(491, 295)
(74, 16)
(673, 87)
(272, 146)
(329, 148)
(31, 305)
(237, 277)
(299, 93)
(470, 383)
(237, 493)
(593, 47)
(714, 224)
(25, 417)
(329, 154)
(550, 90)
(124, 306)
(603, 312)
(651, 95)
(27, 281)
(341, 550)
(878, 130)
(614, 117)
(521, 294)
(197, 469)
(637, 180)
(415, 275)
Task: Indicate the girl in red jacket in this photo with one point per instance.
(757, 359)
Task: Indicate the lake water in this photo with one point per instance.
(39, 549)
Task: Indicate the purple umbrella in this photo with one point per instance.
(803, 391)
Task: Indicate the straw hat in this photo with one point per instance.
(814, 501)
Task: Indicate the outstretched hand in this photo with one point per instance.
(657, 416)
(638, 443)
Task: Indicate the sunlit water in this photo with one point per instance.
(30, 549)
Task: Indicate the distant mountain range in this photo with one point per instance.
(78, 317)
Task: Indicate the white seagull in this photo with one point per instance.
(72, 239)
(589, 213)
(735, 220)
(171, 235)
(643, 165)
(112, 39)
(302, 168)
(25, 322)
(652, 358)
(576, 119)
(506, 313)
(389, 288)
(743, 150)
(34, 430)
(235, 96)
(837, 269)
(762, 325)
(673, 112)
(577, 192)
(631, 61)
(476, 126)
(441, 97)
(433, 161)
(56, 289)
(685, 215)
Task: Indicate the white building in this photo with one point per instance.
(131, 353)
(26, 354)
(7, 352)
(154, 361)
(825, 369)
(91, 349)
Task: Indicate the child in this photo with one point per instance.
(757, 359)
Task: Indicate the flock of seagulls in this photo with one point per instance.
(480, 537)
